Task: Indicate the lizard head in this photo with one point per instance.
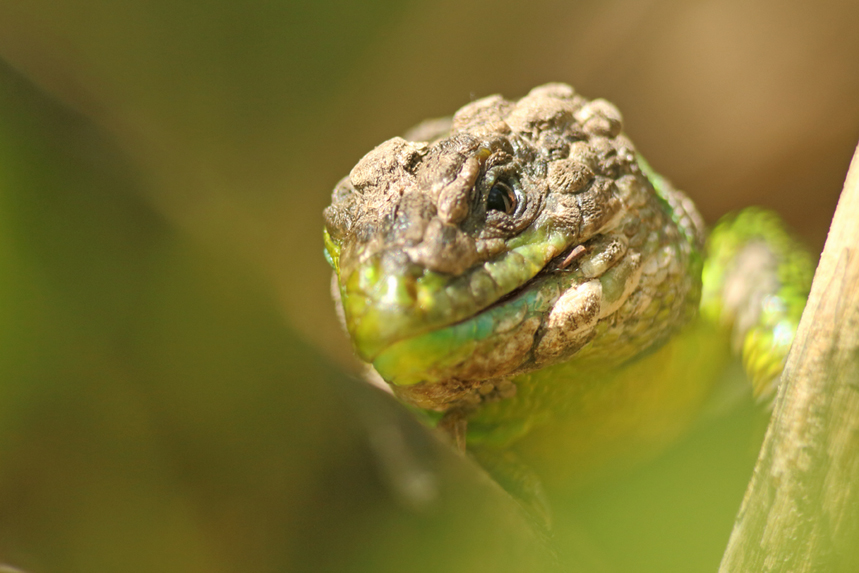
(499, 244)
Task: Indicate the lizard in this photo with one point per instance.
(523, 279)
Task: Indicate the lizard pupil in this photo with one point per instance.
(501, 198)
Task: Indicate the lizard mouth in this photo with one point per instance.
(442, 353)
(515, 332)
(385, 303)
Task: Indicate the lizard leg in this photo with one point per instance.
(756, 280)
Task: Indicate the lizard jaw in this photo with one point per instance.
(543, 322)
(386, 303)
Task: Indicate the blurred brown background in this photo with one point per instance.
(167, 398)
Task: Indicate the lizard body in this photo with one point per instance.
(522, 276)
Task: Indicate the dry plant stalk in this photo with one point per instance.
(801, 509)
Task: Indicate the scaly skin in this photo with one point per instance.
(523, 276)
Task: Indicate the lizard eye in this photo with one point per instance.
(501, 198)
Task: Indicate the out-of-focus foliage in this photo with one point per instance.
(168, 394)
(157, 415)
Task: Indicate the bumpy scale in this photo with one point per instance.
(522, 276)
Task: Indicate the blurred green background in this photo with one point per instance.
(175, 393)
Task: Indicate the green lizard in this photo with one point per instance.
(519, 274)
